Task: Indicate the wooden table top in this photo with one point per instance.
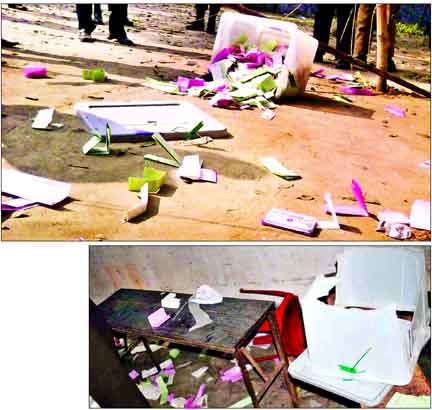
(234, 320)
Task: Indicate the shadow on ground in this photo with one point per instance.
(57, 154)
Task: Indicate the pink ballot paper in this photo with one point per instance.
(158, 318)
(36, 189)
(356, 210)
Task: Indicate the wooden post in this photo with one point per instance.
(382, 15)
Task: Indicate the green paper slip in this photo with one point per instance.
(241, 40)
(247, 401)
(255, 73)
(163, 389)
(276, 168)
(269, 46)
(153, 177)
(268, 84)
(166, 87)
(161, 160)
(167, 148)
(91, 146)
(135, 184)
(193, 133)
(174, 353)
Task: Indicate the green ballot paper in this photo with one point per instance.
(98, 145)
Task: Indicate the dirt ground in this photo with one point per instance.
(327, 142)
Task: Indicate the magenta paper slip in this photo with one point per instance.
(282, 218)
(158, 318)
(33, 188)
(354, 210)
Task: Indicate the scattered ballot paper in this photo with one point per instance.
(200, 372)
(174, 160)
(334, 223)
(405, 401)
(149, 391)
(360, 210)
(149, 372)
(190, 167)
(97, 144)
(158, 318)
(17, 204)
(205, 295)
(170, 301)
(276, 168)
(37, 189)
(282, 218)
(43, 119)
(139, 208)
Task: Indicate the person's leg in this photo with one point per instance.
(8, 44)
(322, 25)
(198, 24)
(86, 24)
(116, 23)
(363, 31)
(394, 10)
(211, 23)
(97, 14)
(127, 21)
(345, 19)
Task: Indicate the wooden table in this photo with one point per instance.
(235, 323)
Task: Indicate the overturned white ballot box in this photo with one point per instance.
(372, 336)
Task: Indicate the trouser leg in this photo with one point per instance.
(322, 24)
(345, 19)
(213, 12)
(363, 31)
(117, 20)
(85, 21)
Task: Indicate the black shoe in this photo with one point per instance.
(319, 58)
(343, 65)
(111, 37)
(195, 26)
(129, 23)
(125, 41)
(211, 30)
(8, 44)
(98, 21)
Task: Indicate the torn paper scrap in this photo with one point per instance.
(35, 71)
(17, 204)
(149, 391)
(167, 148)
(393, 217)
(276, 168)
(241, 404)
(197, 141)
(149, 372)
(163, 390)
(206, 295)
(161, 160)
(356, 210)
(420, 215)
(43, 119)
(268, 114)
(334, 223)
(166, 364)
(198, 401)
(178, 403)
(208, 175)
(170, 301)
(234, 374)
(158, 318)
(93, 147)
(392, 109)
(133, 375)
(190, 167)
(174, 353)
(397, 231)
(200, 372)
(406, 401)
(282, 218)
(37, 189)
(425, 164)
(201, 318)
(139, 208)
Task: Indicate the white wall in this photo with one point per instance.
(183, 268)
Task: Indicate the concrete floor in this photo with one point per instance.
(327, 142)
(223, 394)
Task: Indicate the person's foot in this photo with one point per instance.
(343, 65)
(8, 44)
(195, 26)
(391, 66)
(85, 37)
(125, 41)
(98, 21)
(319, 58)
(129, 23)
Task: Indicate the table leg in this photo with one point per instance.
(282, 356)
(242, 363)
(147, 346)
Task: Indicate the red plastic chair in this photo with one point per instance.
(289, 320)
